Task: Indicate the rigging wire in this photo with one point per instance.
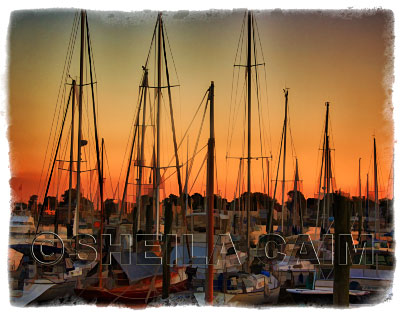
(198, 137)
(258, 111)
(266, 86)
(195, 179)
(66, 67)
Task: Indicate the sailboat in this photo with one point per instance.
(245, 287)
(46, 282)
(143, 278)
(372, 270)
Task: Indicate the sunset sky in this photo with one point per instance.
(341, 57)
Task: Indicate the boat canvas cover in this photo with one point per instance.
(373, 274)
(21, 219)
(138, 266)
(198, 258)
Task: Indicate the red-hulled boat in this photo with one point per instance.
(137, 282)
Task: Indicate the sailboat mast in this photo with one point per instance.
(249, 24)
(296, 179)
(376, 191)
(240, 195)
(210, 197)
(71, 154)
(367, 202)
(101, 218)
(359, 178)
(286, 91)
(186, 187)
(138, 201)
(360, 212)
(78, 168)
(158, 125)
(326, 157)
(328, 181)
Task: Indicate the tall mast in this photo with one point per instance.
(327, 176)
(71, 154)
(376, 191)
(286, 91)
(210, 198)
(240, 197)
(359, 177)
(326, 157)
(186, 187)
(138, 201)
(360, 213)
(296, 179)
(249, 24)
(319, 188)
(124, 194)
(158, 126)
(101, 219)
(78, 170)
(367, 202)
(268, 189)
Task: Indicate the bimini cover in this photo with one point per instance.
(198, 256)
(138, 266)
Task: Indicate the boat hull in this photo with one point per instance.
(126, 295)
(254, 298)
(323, 296)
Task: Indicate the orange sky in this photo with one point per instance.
(343, 58)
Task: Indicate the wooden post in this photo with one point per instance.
(167, 248)
(149, 218)
(341, 212)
